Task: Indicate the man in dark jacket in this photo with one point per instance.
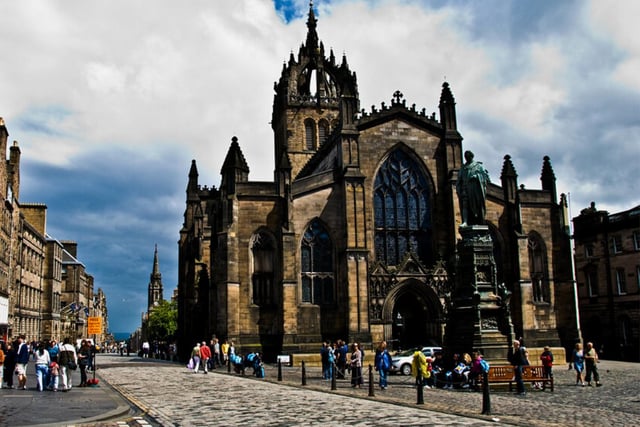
(518, 358)
(22, 358)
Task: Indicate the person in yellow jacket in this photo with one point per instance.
(224, 348)
(420, 368)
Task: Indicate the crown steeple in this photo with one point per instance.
(312, 34)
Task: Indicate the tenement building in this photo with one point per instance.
(355, 238)
(45, 292)
(607, 254)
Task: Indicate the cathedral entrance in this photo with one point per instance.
(415, 316)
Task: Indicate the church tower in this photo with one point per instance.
(155, 283)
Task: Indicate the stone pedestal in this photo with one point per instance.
(478, 313)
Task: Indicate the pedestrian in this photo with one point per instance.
(577, 360)
(53, 350)
(84, 356)
(43, 359)
(195, 356)
(341, 359)
(324, 359)
(22, 358)
(217, 360)
(547, 362)
(3, 349)
(437, 371)
(67, 361)
(420, 368)
(54, 371)
(356, 366)
(591, 363)
(383, 364)
(518, 358)
(225, 351)
(476, 370)
(9, 365)
(205, 355)
(145, 349)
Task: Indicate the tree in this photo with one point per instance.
(163, 321)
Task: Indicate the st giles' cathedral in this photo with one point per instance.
(356, 236)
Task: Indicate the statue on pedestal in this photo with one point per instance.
(472, 191)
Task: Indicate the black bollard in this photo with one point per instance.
(420, 390)
(486, 398)
(371, 386)
(229, 361)
(333, 378)
(304, 374)
(279, 370)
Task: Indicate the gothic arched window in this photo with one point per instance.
(263, 251)
(402, 210)
(309, 134)
(317, 265)
(538, 269)
(323, 131)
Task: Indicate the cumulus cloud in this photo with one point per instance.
(111, 100)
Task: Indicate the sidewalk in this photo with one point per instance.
(47, 408)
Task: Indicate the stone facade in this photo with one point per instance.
(40, 277)
(607, 257)
(356, 237)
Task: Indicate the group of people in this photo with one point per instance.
(209, 356)
(341, 358)
(54, 363)
(585, 363)
(214, 355)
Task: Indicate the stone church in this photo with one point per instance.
(356, 236)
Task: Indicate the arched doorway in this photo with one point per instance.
(415, 314)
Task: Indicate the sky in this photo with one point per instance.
(111, 100)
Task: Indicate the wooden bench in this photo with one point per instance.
(505, 375)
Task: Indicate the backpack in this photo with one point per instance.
(484, 365)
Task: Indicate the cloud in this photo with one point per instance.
(110, 101)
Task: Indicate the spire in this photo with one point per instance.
(548, 178)
(234, 169)
(235, 159)
(155, 283)
(156, 270)
(508, 171)
(192, 186)
(448, 108)
(509, 179)
(312, 35)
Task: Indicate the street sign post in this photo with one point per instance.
(94, 327)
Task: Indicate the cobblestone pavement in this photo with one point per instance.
(169, 395)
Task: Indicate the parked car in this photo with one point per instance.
(401, 362)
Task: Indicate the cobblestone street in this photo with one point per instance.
(169, 395)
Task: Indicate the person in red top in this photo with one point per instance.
(547, 362)
(205, 355)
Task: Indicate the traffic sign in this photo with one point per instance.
(94, 325)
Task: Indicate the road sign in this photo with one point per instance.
(94, 325)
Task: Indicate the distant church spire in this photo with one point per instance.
(155, 282)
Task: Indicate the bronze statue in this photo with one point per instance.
(472, 191)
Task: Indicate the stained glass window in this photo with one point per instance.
(317, 265)
(402, 214)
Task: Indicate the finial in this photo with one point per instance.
(398, 96)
